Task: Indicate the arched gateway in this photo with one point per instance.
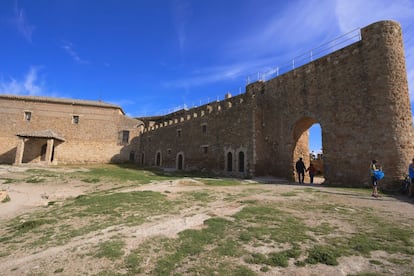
(358, 95)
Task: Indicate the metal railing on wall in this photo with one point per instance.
(307, 57)
(300, 60)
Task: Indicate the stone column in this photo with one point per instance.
(49, 150)
(19, 152)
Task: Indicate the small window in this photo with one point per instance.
(204, 127)
(169, 151)
(205, 149)
(75, 119)
(125, 137)
(27, 115)
(178, 132)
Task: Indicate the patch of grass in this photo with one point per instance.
(9, 180)
(91, 180)
(33, 224)
(261, 223)
(201, 196)
(44, 173)
(400, 261)
(5, 253)
(34, 179)
(322, 229)
(88, 213)
(375, 262)
(322, 254)
(6, 199)
(111, 249)
(59, 270)
(275, 258)
(192, 243)
(133, 263)
(120, 173)
(292, 193)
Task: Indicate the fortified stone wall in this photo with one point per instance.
(95, 138)
(359, 95)
(215, 137)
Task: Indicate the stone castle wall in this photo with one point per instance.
(358, 94)
(204, 137)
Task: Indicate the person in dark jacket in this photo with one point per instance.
(300, 169)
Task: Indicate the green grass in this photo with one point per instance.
(323, 254)
(9, 180)
(122, 173)
(112, 249)
(6, 199)
(93, 212)
(224, 245)
(289, 194)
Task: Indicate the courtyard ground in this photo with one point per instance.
(111, 220)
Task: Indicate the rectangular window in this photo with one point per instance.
(204, 129)
(75, 119)
(27, 115)
(178, 132)
(205, 149)
(125, 137)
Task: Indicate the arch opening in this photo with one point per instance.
(241, 161)
(180, 161)
(229, 162)
(158, 159)
(307, 136)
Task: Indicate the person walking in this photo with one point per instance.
(411, 174)
(311, 171)
(374, 181)
(300, 170)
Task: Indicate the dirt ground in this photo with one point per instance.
(28, 197)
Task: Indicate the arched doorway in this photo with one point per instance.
(307, 135)
(158, 159)
(241, 161)
(180, 161)
(229, 163)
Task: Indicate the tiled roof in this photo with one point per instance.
(60, 100)
(49, 134)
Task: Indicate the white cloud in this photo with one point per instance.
(68, 47)
(181, 12)
(29, 85)
(359, 13)
(208, 75)
(22, 24)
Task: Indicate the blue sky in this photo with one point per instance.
(155, 56)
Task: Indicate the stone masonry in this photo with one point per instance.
(358, 94)
(43, 130)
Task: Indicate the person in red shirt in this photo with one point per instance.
(311, 171)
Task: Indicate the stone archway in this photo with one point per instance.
(158, 159)
(180, 161)
(301, 138)
(359, 94)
